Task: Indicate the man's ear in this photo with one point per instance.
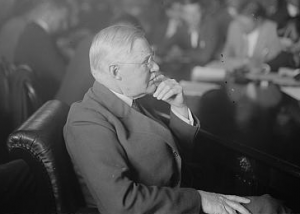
(114, 72)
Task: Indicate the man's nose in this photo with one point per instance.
(154, 67)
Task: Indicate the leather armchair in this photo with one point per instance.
(39, 141)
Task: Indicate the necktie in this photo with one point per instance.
(136, 106)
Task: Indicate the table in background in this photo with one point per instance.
(250, 141)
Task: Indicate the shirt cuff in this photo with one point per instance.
(189, 120)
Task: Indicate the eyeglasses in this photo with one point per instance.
(148, 63)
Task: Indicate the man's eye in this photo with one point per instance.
(146, 62)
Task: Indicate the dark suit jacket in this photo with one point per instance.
(212, 36)
(281, 16)
(129, 162)
(37, 49)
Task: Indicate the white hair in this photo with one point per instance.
(111, 45)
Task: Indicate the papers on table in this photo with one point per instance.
(274, 78)
(197, 88)
(207, 74)
(205, 78)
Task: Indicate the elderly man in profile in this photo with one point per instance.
(127, 159)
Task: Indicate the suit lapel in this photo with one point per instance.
(161, 126)
(134, 119)
(146, 121)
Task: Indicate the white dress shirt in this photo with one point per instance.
(252, 41)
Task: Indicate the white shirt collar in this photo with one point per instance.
(126, 99)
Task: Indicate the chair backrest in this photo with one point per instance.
(23, 94)
(5, 122)
(4, 85)
(18, 94)
(39, 141)
(4, 108)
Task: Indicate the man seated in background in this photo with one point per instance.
(252, 39)
(200, 35)
(289, 32)
(283, 12)
(36, 46)
(127, 159)
(185, 39)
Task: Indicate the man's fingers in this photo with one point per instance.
(173, 91)
(159, 89)
(158, 79)
(238, 207)
(229, 210)
(237, 199)
(164, 87)
(169, 94)
(168, 91)
(162, 91)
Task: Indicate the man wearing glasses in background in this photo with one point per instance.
(126, 158)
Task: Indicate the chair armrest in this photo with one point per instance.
(39, 141)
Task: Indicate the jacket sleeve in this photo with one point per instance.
(95, 149)
(185, 133)
(273, 41)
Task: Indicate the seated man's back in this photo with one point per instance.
(37, 49)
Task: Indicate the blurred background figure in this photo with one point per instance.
(287, 17)
(213, 30)
(252, 38)
(170, 21)
(86, 18)
(200, 34)
(186, 35)
(283, 12)
(36, 46)
(173, 13)
(28, 37)
(14, 20)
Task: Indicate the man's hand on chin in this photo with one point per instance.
(170, 91)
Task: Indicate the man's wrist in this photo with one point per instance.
(183, 110)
